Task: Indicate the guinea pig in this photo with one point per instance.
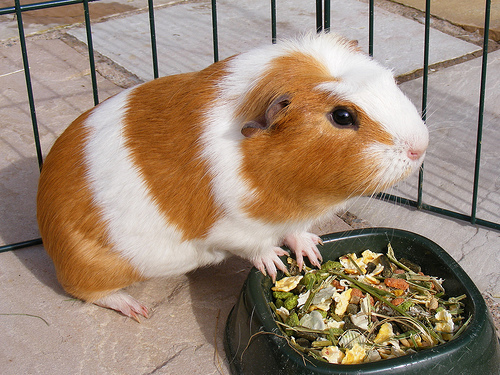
(239, 158)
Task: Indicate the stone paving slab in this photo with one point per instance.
(468, 14)
(184, 34)
(43, 20)
(46, 332)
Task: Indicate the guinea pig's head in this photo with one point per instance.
(324, 122)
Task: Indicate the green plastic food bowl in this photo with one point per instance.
(475, 351)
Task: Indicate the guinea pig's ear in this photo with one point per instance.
(262, 123)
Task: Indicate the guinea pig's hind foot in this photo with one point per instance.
(304, 244)
(270, 261)
(124, 304)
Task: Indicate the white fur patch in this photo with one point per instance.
(135, 225)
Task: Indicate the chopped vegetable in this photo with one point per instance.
(384, 334)
(332, 354)
(287, 284)
(355, 355)
(365, 308)
(396, 283)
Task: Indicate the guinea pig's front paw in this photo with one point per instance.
(125, 304)
(270, 261)
(304, 244)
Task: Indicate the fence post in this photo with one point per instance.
(425, 86)
(90, 46)
(29, 87)
(273, 22)
(481, 111)
(214, 30)
(371, 21)
(152, 31)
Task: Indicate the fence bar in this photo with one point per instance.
(371, 21)
(482, 92)
(319, 16)
(152, 30)
(41, 5)
(322, 16)
(425, 88)
(214, 31)
(20, 245)
(90, 46)
(327, 16)
(273, 22)
(29, 86)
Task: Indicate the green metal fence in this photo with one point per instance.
(323, 14)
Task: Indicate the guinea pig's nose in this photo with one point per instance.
(415, 153)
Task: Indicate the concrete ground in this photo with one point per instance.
(46, 332)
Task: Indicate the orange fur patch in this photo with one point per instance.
(303, 165)
(162, 130)
(73, 232)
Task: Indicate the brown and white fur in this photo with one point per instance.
(239, 158)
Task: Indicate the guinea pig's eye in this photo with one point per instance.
(342, 117)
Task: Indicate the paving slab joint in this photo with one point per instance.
(105, 66)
